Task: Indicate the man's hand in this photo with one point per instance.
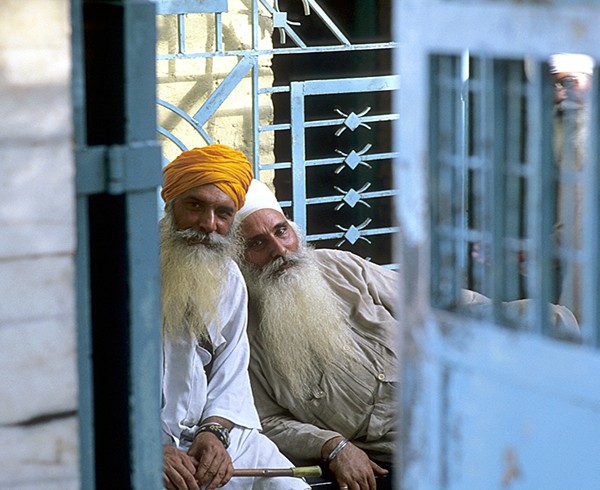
(214, 463)
(353, 469)
(178, 470)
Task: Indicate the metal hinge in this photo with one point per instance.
(118, 169)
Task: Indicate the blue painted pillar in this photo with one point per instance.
(118, 172)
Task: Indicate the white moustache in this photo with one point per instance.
(194, 237)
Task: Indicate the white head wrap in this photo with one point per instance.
(258, 197)
(571, 63)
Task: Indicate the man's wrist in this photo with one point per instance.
(221, 432)
(329, 445)
(336, 450)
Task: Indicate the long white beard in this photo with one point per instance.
(301, 326)
(192, 279)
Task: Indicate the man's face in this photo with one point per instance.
(206, 209)
(571, 82)
(268, 236)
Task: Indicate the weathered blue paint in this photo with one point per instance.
(84, 353)
(298, 154)
(145, 350)
(190, 6)
(87, 477)
(130, 168)
(499, 415)
(484, 403)
(591, 225)
(197, 125)
(223, 91)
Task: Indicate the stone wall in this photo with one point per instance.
(187, 83)
(38, 368)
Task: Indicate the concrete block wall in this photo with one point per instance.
(38, 333)
(187, 83)
(38, 366)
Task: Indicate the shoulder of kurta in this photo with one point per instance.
(336, 259)
(344, 271)
(331, 253)
(234, 282)
(233, 272)
(340, 260)
(233, 303)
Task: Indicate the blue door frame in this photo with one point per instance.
(118, 171)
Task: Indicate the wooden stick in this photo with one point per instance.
(297, 471)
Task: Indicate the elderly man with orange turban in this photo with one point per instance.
(209, 421)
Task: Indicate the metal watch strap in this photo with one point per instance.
(218, 430)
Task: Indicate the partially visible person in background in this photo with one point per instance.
(572, 75)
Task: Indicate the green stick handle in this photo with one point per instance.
(297, 471)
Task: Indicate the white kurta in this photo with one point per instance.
(188, 396)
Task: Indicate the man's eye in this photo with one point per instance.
(225, 213)
(253, 244)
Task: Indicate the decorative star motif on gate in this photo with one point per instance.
(353, 234)
(352, 121)
(353, 159)
(352, 197)
(280, 20)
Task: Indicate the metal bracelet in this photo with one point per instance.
(336, 450)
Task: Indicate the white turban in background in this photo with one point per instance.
(571, 63)
(258, 197)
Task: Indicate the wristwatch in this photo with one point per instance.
(218, 430)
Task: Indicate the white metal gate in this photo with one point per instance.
(354, 210)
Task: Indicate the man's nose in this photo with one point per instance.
(207, 221)
(278, 249)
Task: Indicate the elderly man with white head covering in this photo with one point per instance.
(572, 73)
(209, 420)
(323, 362)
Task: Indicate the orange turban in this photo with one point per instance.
(220, 165)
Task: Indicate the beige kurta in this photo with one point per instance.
(355, 401)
